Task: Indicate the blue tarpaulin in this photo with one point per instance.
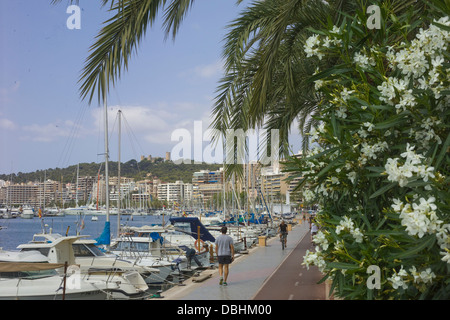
(156, 236)
(105, 237)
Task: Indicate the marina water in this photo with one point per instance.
(17, 231)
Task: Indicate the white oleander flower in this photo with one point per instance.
(312, 47)
(446, 256)
(321, 240)
(397, 279)
(413, 165)
(363, 61)
(357, 234)
(421, 218)
(352, 176)
(370, 126)
(425, 276)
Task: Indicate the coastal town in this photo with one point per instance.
(205, 190)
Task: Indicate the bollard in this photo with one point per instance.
(211, 254)
(262, 241)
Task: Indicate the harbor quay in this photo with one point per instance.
(265, 272)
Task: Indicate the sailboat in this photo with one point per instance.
(29, 276)
(120, 279)
(105, 237)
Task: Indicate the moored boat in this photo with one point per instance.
(29, 276)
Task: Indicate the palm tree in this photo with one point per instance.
(266, 81)
(268, 78)
(266, 84)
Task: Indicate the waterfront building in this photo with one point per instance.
(177, 192)
(206, 184)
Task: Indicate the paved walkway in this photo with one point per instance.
(267, 273)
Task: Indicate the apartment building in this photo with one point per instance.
(206, 184)
(20, 194)
(177, 192)
(272, 182)
(33, 194)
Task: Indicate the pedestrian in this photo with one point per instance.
(191, 254)
(225, 254)
(314, 229)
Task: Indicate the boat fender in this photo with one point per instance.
(199, 243)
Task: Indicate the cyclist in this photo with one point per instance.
(283, 233)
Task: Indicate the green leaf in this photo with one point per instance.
(443, 152)
(376, 169)
(328, 167)
(391, 122)
(383, 190)
(423, 244)
(343, 265)
(442, 26)
(334, 70)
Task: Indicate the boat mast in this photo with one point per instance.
(118, 178)
(106, 161)
(76, 186)
(223, 178)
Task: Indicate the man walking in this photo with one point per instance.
(225, 254)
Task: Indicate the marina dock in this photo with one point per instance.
(265, 273)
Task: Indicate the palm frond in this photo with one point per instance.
(116, 42)
(174, 15)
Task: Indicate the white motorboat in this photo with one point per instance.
(27, 213)
(119, 277)
(29, 276)
(137, 246)
(83, 210)
(88, 255)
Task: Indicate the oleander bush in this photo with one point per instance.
(378, 163)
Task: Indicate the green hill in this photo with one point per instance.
(166, 171)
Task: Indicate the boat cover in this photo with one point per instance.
(27, 266)
(194, 223)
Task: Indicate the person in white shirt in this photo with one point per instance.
(314, 229)
(225, 254)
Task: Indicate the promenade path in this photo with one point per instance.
(266, 273)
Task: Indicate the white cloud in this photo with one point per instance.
(53, 131)
(7, 124)
(154, 124)
(206, 71)
(210, 70)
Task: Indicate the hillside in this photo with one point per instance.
(165, 171)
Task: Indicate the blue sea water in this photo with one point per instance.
(17, 231)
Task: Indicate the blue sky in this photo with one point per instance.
(169, 84)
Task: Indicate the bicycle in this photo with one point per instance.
(283, 239)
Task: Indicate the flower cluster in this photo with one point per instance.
(314, 258)
(364, 61)
(413, 166)
(423, 59)
(427, 134)
(378, 158)
(421, 218)
(401, 278)
(315, 45)
(395, 92)
(369, 151)
(347, 224)
(321, 240)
